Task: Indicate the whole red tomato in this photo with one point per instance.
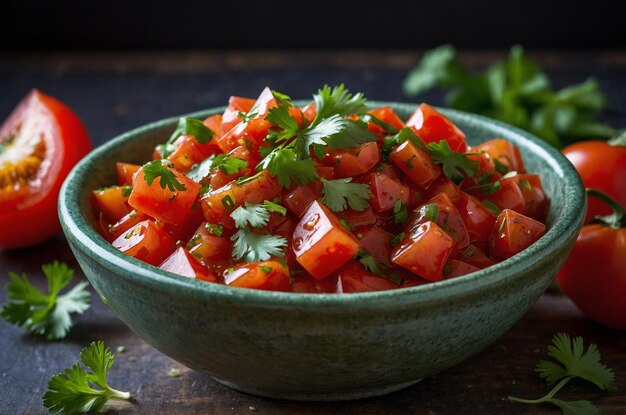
(39, 143)
(601, 166)
(594, 275)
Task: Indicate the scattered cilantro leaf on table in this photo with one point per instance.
(45, 314)
(76, 391)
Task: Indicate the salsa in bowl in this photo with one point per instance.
(324, 346)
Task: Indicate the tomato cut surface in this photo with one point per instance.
(147, 242)
(182, 262)
(355, 161)
(415, 163)
(386, 192)
(321, 243)
(353, 278)
(268, 275)
(512, 233)
(478, 219)
(113, 201)
(504, 152)
(40, 142)
(432, 127)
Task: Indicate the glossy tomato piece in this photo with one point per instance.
(475, 256)
(601, 166)
(512, 233)
(353, 278)
(358, 218)
(302, 283)
(113, 201)
(386, 192)
(230, 118)
(415, 163)
(219, 178)
(355, 161)
(126, 172)
(441, 211)
(432, 127)
(163, 204)
(189, 152)
(182, 262)
(477, 218)
(447, 186)
(218, 204)
(125, 223)
(424, 251)
(214, 123)
(376, 242)
(384, 114)
(300, 197)
(535, 200)
(268, 275)
(42, 140)
(147, 242)
(183, 231)
(321, 243)
(504, 152)
(509, 196)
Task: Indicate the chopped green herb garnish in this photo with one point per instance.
(493, 208)
(266, 269)
(228, 164)
(252, 215)
(400, 213)
(167, 178)
(502, 224)
(275, 208)
(127, 190)
(396, 240)
(193, 127)
(525, 184)
(214, 229)
(341, 193)
(228, 202)
(387, 128)
(255, 247)
(500, 166)
(455, 165)
(431, 211)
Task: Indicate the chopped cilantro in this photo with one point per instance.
(167, 178)
(400, 213)
(431, 211)
(255, 247)
(340, 193)
(455, 165)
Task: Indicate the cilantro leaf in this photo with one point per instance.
(201, 170)
(193, 127)
(280, 97)
(387, 128)
(337, 133)
(400, 213)
(337, 101)
(45, 314)
(455, 165)
(167, 178)
(284, 164)
(250, 215)
(255, 247)
(340, 193)
(275, 208)
(227, 164)
(371, 265)
(573, 361)
(280, 117)
(431, 211)
(73, 391)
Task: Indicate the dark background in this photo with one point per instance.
(205, 24)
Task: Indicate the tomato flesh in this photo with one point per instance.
(113, 201)
(268, 275)
(512, 233)
(352, 278)
(503, 151)
(126, 172)
(321, 243)
(355, 161)
(183, 263)
(415, 163)
(147, 242)
(386, 192)
(432, 127)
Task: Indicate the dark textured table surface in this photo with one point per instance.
(115, 92)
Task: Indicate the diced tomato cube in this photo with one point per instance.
(325, 172)
(477, 218)
(432, 127)
(377, 243)
(268, 275)
(508, 197)
(503, 151)
(536, 203)
(126, 223)
(424, 251)
(355, 161)
(456, 268)
(304, 284)
(182, 262)
(358, 218)
(125, 173)
(219, 178)
(189, 152)
(300, 197)
(415, 163)
(147, 242)
(183, 231)
(163, 204)
(214, 123)
(353, 278)
(512, 233)
(321, 243)
(386, 192)
(309, 112)
(385, 114)
(475, 256)
(447, 186)
(113, 201)
(218, 204)
(447, 217)
(230, 118)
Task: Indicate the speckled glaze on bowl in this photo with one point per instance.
(329, 346)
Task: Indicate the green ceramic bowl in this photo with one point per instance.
(327, 346)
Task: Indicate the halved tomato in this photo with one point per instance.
(40, 142)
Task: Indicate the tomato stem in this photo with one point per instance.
(617, 219)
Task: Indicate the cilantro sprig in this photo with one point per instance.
(186, 126)
(341, 193)
(290, 142)
(167, 178)
(76, 390)
(45, 314)
(571, 361)
(252, 246)
(516, 91)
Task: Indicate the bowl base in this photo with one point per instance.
(322, 396)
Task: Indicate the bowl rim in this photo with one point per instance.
(83, 236)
